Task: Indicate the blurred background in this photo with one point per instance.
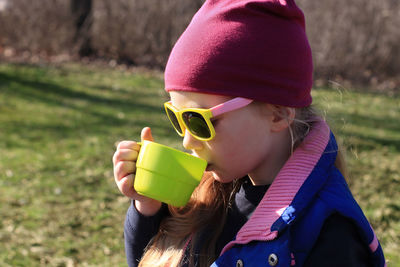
(355, 41)
(77, 76)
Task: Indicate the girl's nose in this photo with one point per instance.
(191, 143)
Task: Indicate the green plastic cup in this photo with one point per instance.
(167, 174)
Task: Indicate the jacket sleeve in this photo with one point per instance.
(139, 230)
(338, 244)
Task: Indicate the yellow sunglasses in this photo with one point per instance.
(198, 120)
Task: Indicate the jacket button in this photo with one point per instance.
(273, 259)
(239, 263)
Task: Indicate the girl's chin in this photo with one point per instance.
(220, 178)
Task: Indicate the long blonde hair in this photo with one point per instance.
(207, 207)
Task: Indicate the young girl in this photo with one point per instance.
(273, 193)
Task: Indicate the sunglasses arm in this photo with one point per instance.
(230, 105)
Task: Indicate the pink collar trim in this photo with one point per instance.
(284, 188)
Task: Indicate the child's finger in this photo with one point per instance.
(146, 134)
(125, 155)
(128, 145)
(125, 185)
(124, 168)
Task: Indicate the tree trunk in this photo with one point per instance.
(82, 14)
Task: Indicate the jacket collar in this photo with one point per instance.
(276, 203)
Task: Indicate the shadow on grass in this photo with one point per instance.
(370, 140)
(100, 114)
(55, 94)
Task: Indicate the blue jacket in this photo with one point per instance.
(287, 222)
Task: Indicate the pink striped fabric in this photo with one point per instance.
(284, 188)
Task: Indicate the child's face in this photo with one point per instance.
(244, 142)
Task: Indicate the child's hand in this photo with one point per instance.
(124, 161)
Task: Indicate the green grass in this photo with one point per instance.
(59, 205)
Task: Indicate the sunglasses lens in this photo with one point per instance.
(174, 120)
(196, 124)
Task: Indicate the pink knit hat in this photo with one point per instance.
(253, 49)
